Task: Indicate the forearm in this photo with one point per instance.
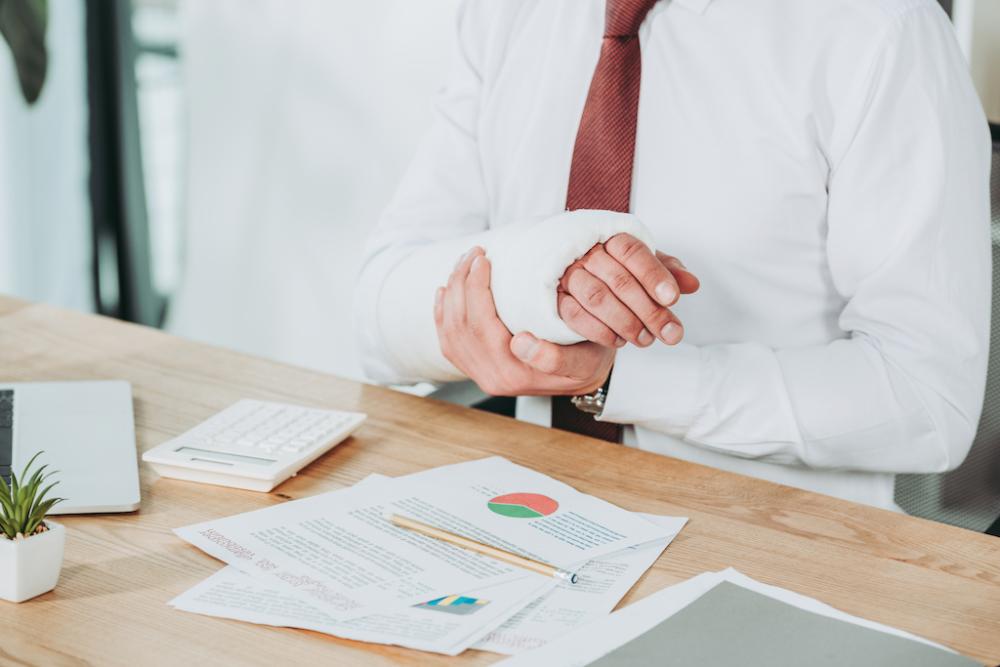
(395, 310)
(395, 316)
(841, 405)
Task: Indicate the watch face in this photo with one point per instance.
(592, 404)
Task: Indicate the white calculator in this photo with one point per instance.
(253, 445)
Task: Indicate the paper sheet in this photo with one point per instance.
(603, 583)
(340, 551)
(587, 644)
(448, 625)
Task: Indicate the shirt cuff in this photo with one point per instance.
(658, 386)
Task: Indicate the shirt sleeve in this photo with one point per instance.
(438, 212)
(908, 248)
(441, 210)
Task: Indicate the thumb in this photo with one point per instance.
(569, 361)
(687, 282)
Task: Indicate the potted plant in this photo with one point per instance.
(31, 548)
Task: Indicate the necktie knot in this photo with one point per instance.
(623, 17)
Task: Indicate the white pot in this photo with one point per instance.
(31, 566)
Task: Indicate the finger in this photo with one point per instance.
(585, 324)
(686, 281)
(454, 298)
(480, 308)
(570, 362)
(628, 290)
(598, 300)
(642, 263)
(445, 341)
(439, 306)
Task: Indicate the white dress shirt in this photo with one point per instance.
(821, 165)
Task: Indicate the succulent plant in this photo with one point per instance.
(23, 505)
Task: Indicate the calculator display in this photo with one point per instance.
(211, 455)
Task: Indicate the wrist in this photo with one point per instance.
(592, 402)
(529, 258)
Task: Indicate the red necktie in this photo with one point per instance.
(601, 173)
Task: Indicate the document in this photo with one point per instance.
(446, 625)
(603, 583)
(762, 625)
(340, 552)
(760, 630)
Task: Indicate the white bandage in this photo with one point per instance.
(529, 258)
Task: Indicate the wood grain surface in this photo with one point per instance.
(110, 605)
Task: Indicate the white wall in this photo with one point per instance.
(977, 23)
(301, 117)
(45, 240)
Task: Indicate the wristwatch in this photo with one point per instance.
(592, 403)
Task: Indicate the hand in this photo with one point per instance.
(621, 292)
(474, 339)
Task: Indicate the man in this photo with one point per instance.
(822, 165)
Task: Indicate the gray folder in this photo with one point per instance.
(732, 625)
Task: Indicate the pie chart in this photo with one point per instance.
(523, 505)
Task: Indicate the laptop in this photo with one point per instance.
(86, 433)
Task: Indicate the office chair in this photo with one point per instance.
(970, 495)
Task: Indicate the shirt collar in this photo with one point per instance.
(694, 5)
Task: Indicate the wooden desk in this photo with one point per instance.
(110, 605)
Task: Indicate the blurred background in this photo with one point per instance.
(212, 167)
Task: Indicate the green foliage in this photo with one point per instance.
(23, 505)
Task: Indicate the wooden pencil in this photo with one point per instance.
(479, 547)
